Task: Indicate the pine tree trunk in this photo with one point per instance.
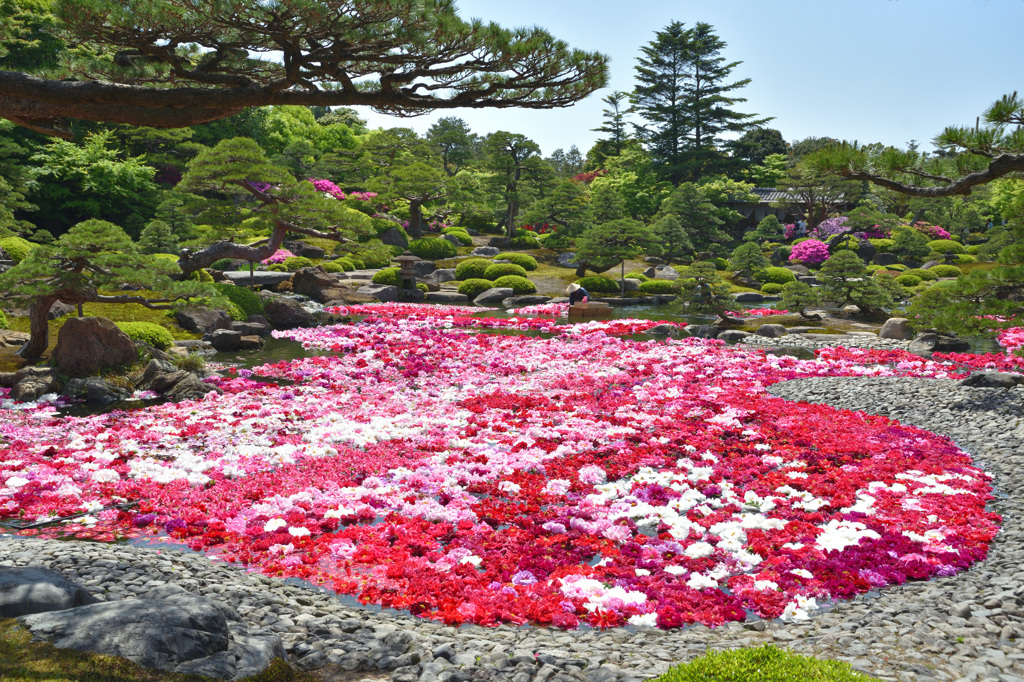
(39, 329)
(415, 219)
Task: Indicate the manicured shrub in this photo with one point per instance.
(148, 332)
(277, 267)
(599, 285)
(4, 324)
(296, 263)
(946, 271)
(376, 258)
(517, 283)
(966, 258)
(332, 266)
(774, 275)
(523, 260)
(923, 274)
(973, 249)
(16, 247)
(801, 240)
(245, 299)
(474, 268)
(432, 248)
(422, 287)
(944, 245)
(659, 286)
(637, 276)
(721, 264)
(527, 242)
(223, 264)
(908, 280)
(763, 664)
(883, 245)
(900, 267)
(345, 264)
(772, 288)
(235, 312)
(463, 237)
(474, 287)
(388, 276)
(200, 275)
(497, 270)
(453, 228)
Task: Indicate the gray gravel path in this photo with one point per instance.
(966, 627)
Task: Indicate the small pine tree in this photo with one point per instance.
(157, 237)
(768, 230)
(615, 241)
(845, 279)
(799, 296)
(909, 244)
(704, 292)
(748, 261)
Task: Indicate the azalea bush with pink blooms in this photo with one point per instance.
(931, 231)
(280, 256)
(564, 479)
(328, 188)
(830, 227)
(811, 253)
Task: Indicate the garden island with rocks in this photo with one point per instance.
(283, 397)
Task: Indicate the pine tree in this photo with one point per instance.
(615, 121)
(845, 280)
(747, 261)
(768, 230)
(704, 292)
(686, 103)
(157, 237)
(696, 216)
(615, 242)
(799, 296)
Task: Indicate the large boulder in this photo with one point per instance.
(225, 340)
(525, 300)
(896, 328)
(30, 383)
(451, 239)
(203, 320)
(993, 380)
(251, 328)
(424, 267)
(12, 339)
(925, 342)
(771, 331)
(799, 270)
(630, 284)
(666, 272)
(311, 282)
(866, 250)
(347, 296)
(385, 293)
(748, 297)
(486, 252)
(260, 278)
(31, 589)
(393, 237)
(446, 297)
(567, 260)
(500, 242)
(493, 296)
(95, 391)
(704, 331)
(168, 629)
(190, 387)
(85, 345)
(885, 259)
(671, 330)
(732, 335)
(442, 275)
(284, 313)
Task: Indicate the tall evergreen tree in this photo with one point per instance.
(614, 124)
(455, 142)
(686, 102)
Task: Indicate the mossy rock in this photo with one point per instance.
(293, 263)
(17, 248)
(147, 332)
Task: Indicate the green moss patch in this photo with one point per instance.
(763, 664)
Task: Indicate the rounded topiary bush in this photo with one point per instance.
(908, 280)
(16, 247)
(474, 268)
(517, 283)
(453, 228)
(973, 249)
(345, 264)
(200, 275)
(638, 276)
(247, 300)
(148, 332)
(897, 266)
(966, 258)
(521, 259)
(946, 245)
(332, 267)
(772, 288)
(659, 286)
(921, 273)
(432, 248)
(223, 264)
(376, 259)
(776, 275)
(277, 267)
(296, 263)
(463, 237)
(946, 271)
(599, 285)
(388, 276)
(527, 242)
(474, 287)
(883, 245)
(721, 264)
(497, 270)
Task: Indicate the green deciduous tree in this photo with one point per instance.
(176, 63)
(686, 103)
(757, 144)
(515, 162)
(814, 194)
(91, 263)
(614, 242)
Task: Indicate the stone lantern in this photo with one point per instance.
(407, 273)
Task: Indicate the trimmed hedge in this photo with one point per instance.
(497, 270)
(474, 268)
(944, 245)
(147, 332)
(721, 264)
(923, 274)
(247, 300)
(474, 287)
(523, 260)
(388, 276)
(17, 248)
(946, 271)
(527, 242)
(293, 263)
(772, 288)
(432, 248)
(345, 264)
(518, 284)
(659, 286)
(372, 260)
(599, 285)
(908, 280)
(883, 245)
(639, 276)
(776, 275)
(966, 258)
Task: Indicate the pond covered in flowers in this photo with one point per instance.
(568, 477)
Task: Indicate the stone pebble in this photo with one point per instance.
(965, 627)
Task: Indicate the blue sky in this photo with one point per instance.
(872, 70)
